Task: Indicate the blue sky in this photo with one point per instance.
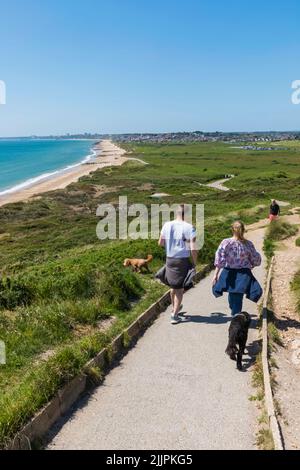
(136, 65)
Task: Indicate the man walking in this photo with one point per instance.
(179, 239)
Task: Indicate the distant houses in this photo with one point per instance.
(177, 138)
(255, 147)
(199, 136)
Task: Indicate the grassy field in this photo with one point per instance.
(296, 289)
(64, 294)
(278, 230)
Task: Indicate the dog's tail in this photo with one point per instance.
(149, 258)
(231, 349)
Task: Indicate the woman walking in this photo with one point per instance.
(237, 256)
(179, 239)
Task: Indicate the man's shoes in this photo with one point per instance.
(175, 319)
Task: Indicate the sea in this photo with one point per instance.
(26, 162)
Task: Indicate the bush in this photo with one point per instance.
(86, 275)
(118, 287)
(269, 247)
(279, 230)
(297, 242)
(13, 293)
(281, 174)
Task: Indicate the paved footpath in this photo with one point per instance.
(176, 389)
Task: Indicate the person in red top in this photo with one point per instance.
(274, 211)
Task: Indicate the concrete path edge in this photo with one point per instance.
(273, 421)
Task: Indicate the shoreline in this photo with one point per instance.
(106, 154)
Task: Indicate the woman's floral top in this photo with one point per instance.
(235, 254)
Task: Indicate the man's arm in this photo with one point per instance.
(161, 241)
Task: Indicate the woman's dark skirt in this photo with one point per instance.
(176, 271)
(238, 281)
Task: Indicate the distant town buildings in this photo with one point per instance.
(259, 148)
(185, 137)
(198, 136)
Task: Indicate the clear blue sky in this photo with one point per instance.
(148, 65)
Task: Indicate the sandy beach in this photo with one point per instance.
(107, 154)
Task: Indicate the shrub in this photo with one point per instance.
(281, 174)
(279, 230)
(86, 275)
(118, 287)
(13, 293)
(269, 247)
(297, 242)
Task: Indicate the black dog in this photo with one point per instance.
(238, 334)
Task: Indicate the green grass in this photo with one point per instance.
(295, 286)
(59, 282)
(273, 332)
(297, 241)
(280, 230)
(39, 383)
(64, 219)
(276, 231)
(265, 439)
(29, 331)
(269, 248)
(258, 375)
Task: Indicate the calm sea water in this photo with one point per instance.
(24, 162)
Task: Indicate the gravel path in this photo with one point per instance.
(175, 389)
(287, 391)
(219, 184)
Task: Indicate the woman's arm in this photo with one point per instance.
(255, 258)
(220, 261)
(216, 275)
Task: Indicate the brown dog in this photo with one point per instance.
(138, 264)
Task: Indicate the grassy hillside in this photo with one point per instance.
(60, 285)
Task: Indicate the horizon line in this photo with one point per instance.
(35, 136)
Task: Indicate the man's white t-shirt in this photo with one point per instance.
(177, 235)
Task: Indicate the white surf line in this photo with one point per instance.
(47, 176)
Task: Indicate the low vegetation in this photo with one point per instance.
(64, 294)
(280, 230)
(264, 439)
(295, 285)
(276, 231)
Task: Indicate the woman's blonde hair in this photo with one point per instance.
(238, 230)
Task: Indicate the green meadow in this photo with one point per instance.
(64, 294)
